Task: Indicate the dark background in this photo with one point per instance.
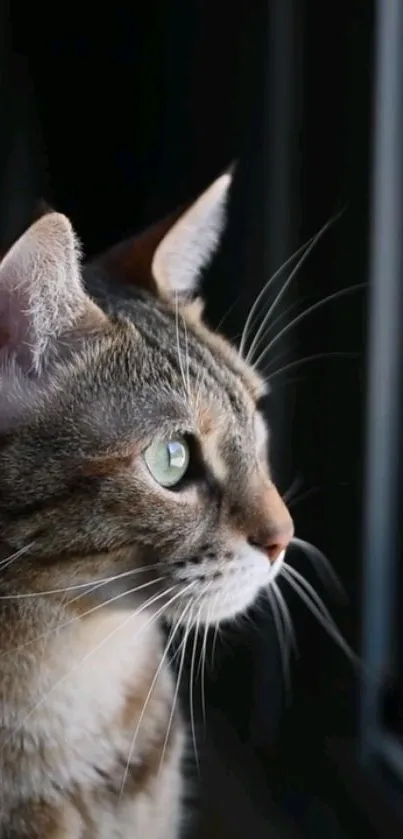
(116, 116)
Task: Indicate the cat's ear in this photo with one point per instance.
(190, 244)
(167, 260)
(41, 294)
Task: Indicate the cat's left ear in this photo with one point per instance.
(168, 259)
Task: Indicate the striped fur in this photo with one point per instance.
(94, 366)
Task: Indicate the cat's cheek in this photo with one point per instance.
(224, 588)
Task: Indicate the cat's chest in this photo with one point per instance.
(93, 717)
(98, 702)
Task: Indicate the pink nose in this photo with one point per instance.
(276, 531)
(275, 545)
(279, 543)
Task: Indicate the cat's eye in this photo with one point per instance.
(167, 460)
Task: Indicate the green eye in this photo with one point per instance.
(167, 461)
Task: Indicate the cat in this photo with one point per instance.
(134, 486)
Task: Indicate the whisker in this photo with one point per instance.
(85, 614)
(288, 282)
(79, 664)
(322, 616)
(321, 565)
(226, 313)
(186, 355)
(88, 585)
(302, 496)
(202, 662)
(16, 555)
(198, 387)
(178, 344)
(287, 620)
(265, 288)
(206, 622)
(316, 357)
(215, 636)
(315, 306)
(279, 318)
(113, 599)
(271, 593)
(191, 691)
(177, 685)
(203, 673)
(310, 591)
(275, 323)
(150, 691)
(106, 580)
(294, 487)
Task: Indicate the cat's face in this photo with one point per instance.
(132, 447)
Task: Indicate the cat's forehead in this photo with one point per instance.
(181, 342)
(155, 373)
(177, 344)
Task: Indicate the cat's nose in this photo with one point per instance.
(276, 544)
(275, 533)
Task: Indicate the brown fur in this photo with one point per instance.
(95, 366)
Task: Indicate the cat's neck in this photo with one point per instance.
(80, 691)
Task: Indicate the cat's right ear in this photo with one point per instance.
(41, 294)
(168, 259)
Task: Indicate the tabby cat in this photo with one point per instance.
(134, 486)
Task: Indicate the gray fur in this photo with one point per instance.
(91, 373)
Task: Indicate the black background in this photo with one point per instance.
(116, 116)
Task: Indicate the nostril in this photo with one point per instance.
(273, 551)
(274, 546)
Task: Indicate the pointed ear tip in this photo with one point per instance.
(54, 220)
(222, 184)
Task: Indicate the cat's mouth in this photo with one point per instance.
(215, 591)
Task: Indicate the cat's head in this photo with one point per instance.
(131, 437)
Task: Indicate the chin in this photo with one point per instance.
(225, 594)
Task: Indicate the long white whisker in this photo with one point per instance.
(321, 616)
(294, 487)
(222, 320)
(203, 673)
(186, 355)
(90, 587)
(16, 555)
(283, 644)
(302, 496)
(152, 686)
(177, 686)
(322, 565)
(191, 691)
(310, 591)
(315, 306)
(85, 614)
(278, 319)
(79, 664)
(178, 345)
(265, 288)
(286, 285)
(114, 598)
(297, 362)
(216, 635)
(202, 663)
(287, 620)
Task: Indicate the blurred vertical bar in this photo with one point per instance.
(283, 80)
(384, 418)
(281, 173)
